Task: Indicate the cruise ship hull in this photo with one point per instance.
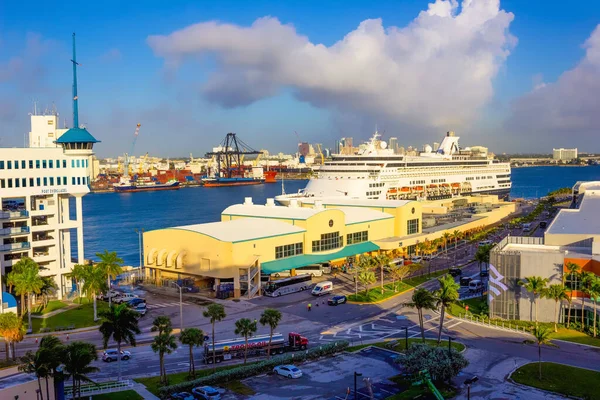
(146, 188)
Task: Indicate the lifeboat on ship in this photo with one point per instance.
(405, 189)
(392, 191)
(419, 188)
(432, 186)
(445, 185)
(456, 185)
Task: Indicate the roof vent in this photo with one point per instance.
(248, 201)
(293, 203)
(270, 203)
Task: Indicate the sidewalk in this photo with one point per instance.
(142, 391)
(55, 312)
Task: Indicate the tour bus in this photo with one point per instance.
(313, 270)
(289, 285)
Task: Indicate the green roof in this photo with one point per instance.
(283, 264)
(77, 135)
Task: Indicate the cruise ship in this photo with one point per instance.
(375, 172)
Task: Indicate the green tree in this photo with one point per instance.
(444, 297)
(366, 277)
(93, 284)
(365, 263)
(270, 317)
(32, 363)
(215, 312)
(456, 235)
(163, 343)
(558, 293)
(112, 266)
(48, 289)
(51, 353)
(446, 238)
(585, 279)
(541, 336)
(383, 260)
(536, 285)
(29, 282)
(572, 270)
(12, 330)
(192, 337)
(121, 324)
(399, 272)
(441, 365)
(482, 256)
(78, 275)
(246, 328)
(594, 292)
(422, 299)
(77, 359)
(12, 276)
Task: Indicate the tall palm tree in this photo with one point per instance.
(52, 354)
(112, 266)
(366, 277)
(13, 276)
(29, 282)
(245, 327)
(572, 270)
(162, 324)
(9, 323)
(456, 235)
(383, 260)
(542, 336)
(399, 272)
(78, 274)
(585, 279)
(77, 359)
(444, 297)
(93, 284)
(121, 324)
(594, 293)
(422, 299)
(270, 317)
(192, 337)
(536, 285)
(215, 312)
(164, 343)
(48, 289)
(33, 364)
(558, 293)
(446, 238)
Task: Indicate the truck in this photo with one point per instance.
(257, 345)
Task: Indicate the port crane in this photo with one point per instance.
(127, 169)
(229, 156)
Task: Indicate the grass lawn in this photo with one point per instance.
(79, 317)
(475, 307)
(418, 280)
(563, 379)
(574, 336)
(420, 392)
(53, 305)
(124, 395)
(400, 342)
(374, 294)
(153, 383)
(239, 388)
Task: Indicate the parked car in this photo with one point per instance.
(135, 302)
(124, 297)
(111, 294)
(182, 396)
(543, 224)
(335, 300)
(464, 281)
(206, 393)
(455, 272)
(416, 259)
(291, 371)
(475, 286)
(484, 273)
(141, 309)
(485, 243)
(111, 355)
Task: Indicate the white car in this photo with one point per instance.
(141, 309)
(290, 371)
(124, 297)
(417, 259)
(111, 355)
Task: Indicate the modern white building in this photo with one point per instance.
(44, 130)
(564, 154)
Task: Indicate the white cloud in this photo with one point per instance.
(435, 72)
(566, 110)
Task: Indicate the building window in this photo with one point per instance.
(357, 237)
(412, 226)
(16, 164)
(45, 181)
(572, 282)
(30, 182)
(17, 183)
(9, 165)
(72, 180)
(9, 182)
(1, 164)
(23, 164)
(44, 164)
(51, 181)
(79, 180)
(57, 163)
(24, 182)
(30, 164)
(38, 180)
(51, 164)
(289, 250)
(64, 163)
(77, 163)
(72, 163)
(64, 180)
(328, 241)
(2, 184)
(37, 164)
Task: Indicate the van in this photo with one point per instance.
(527, 227)
(322, 288)
(485, 243)
(475, 286)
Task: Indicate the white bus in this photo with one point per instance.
(289, 285)
(312, 270)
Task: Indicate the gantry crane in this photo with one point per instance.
(142, 163)
(127, 170)
(321, 153)
(229, 156)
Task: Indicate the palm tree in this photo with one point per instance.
(270, 317)
(422, 299)
(535, 285)
(572, 270)
(215, 312)
(246, 328)
(13, 276)
(446, 238)
(48, 289)
(33, 364)
(366, 277)
(399, 272)
(13, 331)
(93, 284)
(594, 292)
(121, 324)
(163, 344)
(585, 279)
(78, 274)
(162, 324)
(558, 293)
(542, 336)
(192, 337)
(382, 259)
(456, 235)
(29, 282)
(52, 355)
(111, 264)
(444, 297)
(77, 359)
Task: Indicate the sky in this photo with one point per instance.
(513, 75)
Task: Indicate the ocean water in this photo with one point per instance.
(110, 219)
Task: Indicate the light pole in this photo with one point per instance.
(450, 347)
(180, 306)
(405, 338)
(469, 382)
(356, 374)
(140, 232)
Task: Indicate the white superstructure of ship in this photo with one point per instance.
(375, 172)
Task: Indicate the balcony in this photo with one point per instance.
(14, 214)
(15, 246)
(21, 230)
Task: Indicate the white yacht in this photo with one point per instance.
(375, 172)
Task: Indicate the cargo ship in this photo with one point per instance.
(125, 185)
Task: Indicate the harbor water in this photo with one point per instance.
(111, 219)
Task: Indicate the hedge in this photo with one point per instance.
(246, 371)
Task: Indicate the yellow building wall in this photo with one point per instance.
(245, 252)
(377, 229)
(318, 225)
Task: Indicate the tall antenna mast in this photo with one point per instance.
(75, 108)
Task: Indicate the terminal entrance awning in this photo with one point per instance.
(284, 264)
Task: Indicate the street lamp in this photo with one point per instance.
(180, 305)
(356, 374)
(406, 338)
(450, 347)
(469, 382)
(140, 233)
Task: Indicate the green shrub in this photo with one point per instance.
(246, 371)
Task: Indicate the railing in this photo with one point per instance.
(13, 214)
(15, 246)
(486, 322)
(99, 388)
(517, 240)
(14, 231)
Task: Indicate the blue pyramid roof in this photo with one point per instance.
(77, 135)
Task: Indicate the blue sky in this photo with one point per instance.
(124, 80)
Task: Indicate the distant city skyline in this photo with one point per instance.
(513, 76)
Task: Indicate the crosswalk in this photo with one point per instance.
(164, 305)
